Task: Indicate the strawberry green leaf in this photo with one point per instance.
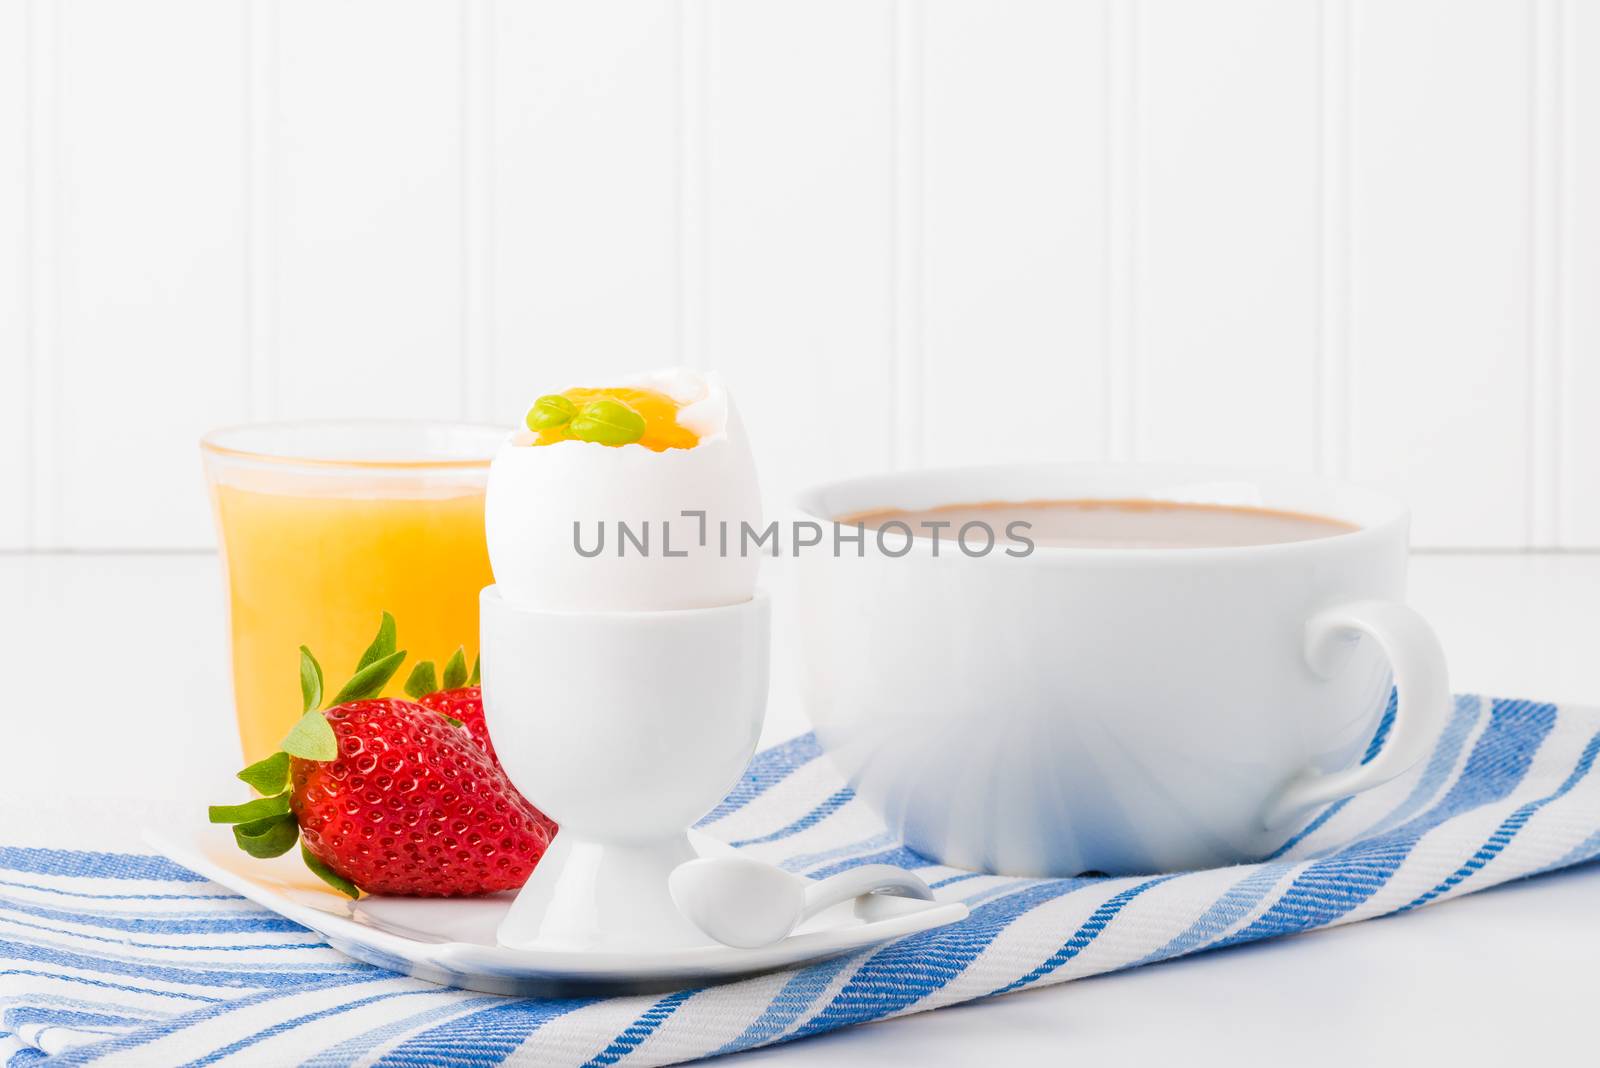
(381, 646)
(455, 670)
(422, 681)
(310, 681)
(452, 721)
(271, 837)
(369, 681)
(267, 776)
(327, 874)
(259, 809)
(477, 675)
(311, 738)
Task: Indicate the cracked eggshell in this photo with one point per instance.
(537, 492)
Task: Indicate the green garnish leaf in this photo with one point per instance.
(382, 645)
(452, 721)
(327, 874)
(476, 678)
(268, 776)
(251, 811)
(312, 738)
(369, 681)
(271, 837)
(422, 681)
(550, 411)
(455, 670)
(310, 681)
(607, 422)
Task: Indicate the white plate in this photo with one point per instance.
(451, 940)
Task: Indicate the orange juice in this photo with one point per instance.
(316, 552)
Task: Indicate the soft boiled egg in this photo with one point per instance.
(597, 506)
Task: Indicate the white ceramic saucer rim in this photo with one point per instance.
(645, 965)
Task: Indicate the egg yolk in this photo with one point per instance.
(659, 411)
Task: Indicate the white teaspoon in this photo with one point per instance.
(748, 903)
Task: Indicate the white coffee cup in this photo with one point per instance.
(1116, 710)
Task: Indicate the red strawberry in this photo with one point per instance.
(464, 705)
(411, 806)
(460, 698)
(460, 701)
(385, 795)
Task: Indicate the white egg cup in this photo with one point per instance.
(625, 728)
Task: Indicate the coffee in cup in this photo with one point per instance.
(1176, 672)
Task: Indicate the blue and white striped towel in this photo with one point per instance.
(128, 957)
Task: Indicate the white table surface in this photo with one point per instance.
(120, 660)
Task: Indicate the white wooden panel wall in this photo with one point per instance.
(588, 124)
(1225, 141)
(364, 168)
(141, 290)
(1440, 361)
(789, 287)
(1570, 44)
(15, 256)
(1339, 235)
(1009, 243)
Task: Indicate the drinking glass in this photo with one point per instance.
(325, 525)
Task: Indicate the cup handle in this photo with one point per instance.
(1421, 683)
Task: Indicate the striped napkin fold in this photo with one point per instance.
(130, 958)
